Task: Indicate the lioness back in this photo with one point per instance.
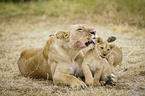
(29, 63)
(33, 62)
(29, 53)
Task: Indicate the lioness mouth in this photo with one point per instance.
(89, 42)
(103, 56)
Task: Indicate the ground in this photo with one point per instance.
(28, 32)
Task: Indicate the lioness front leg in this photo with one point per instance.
(97, 76)
(88, 75)
(62, 76)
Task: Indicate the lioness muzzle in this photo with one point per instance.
(93, 32)
(89, 42)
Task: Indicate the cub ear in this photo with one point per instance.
(111, 46)
(62, 34)
(111, 39)
(99, 40)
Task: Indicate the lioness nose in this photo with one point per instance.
(93, 32)
(88, 43)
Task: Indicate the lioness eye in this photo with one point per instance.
(102, 48)
(108, 49)
(80, 29)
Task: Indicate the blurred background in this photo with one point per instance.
(128, 12)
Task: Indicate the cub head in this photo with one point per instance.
(80, 35)
(62, 35)
(103, 47)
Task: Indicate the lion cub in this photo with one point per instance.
(115, 56)
(95, 66)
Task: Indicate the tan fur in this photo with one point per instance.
(56, 60)
(115, 56)
(79, 58)
(94, 66)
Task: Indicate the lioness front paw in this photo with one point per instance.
(89, 81)
(78, 85)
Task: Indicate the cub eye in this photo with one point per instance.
(79, 29)
(108, 49)
(101, 47)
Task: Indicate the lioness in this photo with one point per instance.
(95, 66)
(56, 60)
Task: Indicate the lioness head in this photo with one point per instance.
(80, 35)
(103, 47)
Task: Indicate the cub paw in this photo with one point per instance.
(89, 81)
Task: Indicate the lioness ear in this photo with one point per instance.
(111, 46)
(99, 40)
(111, 39)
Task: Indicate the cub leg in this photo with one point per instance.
(88, 75)
(97, 76)
(62, 76)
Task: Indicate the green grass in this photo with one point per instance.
(102, 11)
(27, 25)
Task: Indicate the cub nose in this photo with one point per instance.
(104, 54)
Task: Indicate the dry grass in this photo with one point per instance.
(19, 33)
